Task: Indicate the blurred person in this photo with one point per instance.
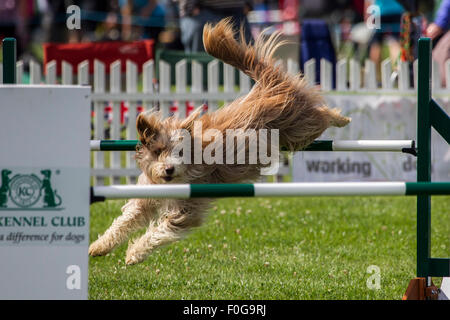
(194, 14)
(54, 21)
(390, 17)
(413, 27)
(348, 26)
(142, 19)
(440, 33)
(109, 28)
(326, 29)
(14, 22)
(341, 16)
(332, 12)
(170, 38)
(441, 22)
(315, 9)
(94, 15)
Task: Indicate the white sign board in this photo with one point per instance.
(381, 117)
(445, 289)
(44, 191)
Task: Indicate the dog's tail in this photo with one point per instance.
(219, 41)
(278, 100)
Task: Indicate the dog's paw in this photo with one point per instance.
(98, 249)
(130, 260)
(134, 256)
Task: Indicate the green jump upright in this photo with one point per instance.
(9, 60)
(429, 115)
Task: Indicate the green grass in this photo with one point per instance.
(279, 248)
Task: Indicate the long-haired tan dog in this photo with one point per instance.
(276, 101)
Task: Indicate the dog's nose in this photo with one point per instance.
(170, 169)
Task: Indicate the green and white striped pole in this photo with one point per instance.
(9, 60)
(406, 146)
(187, 191)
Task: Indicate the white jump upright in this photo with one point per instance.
(44, 191)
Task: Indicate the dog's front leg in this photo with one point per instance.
(171, 227)
(136, 214)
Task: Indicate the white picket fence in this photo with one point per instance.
(116, 88)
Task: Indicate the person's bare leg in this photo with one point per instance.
(394, 50)
(375, 56)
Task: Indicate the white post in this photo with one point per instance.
(370, 75)
(35, 72)
(403, 75)
(341, 75)
(83, 73)
(180, 85)
(355, 75)
(326, 75)
(435, 75)
(67, 73)
(164, 86)
(197, 80)
(213, 83)
(50, 72)
(244, 83)
(292, 67)
(131, 134)
(228, 79)
(19, 72)
(310, 71)
(386, 74)
(99, 121)
(148, 74)
(115, 88)
(415, 72)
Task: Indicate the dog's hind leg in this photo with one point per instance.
(136, 214)
(171, 227)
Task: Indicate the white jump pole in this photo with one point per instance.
(372, 145)
(318, 145)
(185, 191)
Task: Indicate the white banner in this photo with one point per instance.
(44, 191)
(380, 117)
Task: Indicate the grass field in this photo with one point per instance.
(278, 248)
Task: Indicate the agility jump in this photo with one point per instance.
(429, 115)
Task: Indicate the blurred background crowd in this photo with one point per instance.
(177, 24)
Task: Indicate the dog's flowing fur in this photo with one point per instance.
(276, 101)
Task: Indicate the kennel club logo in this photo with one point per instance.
(28, 191)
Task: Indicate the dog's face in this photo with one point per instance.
(157, 155)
